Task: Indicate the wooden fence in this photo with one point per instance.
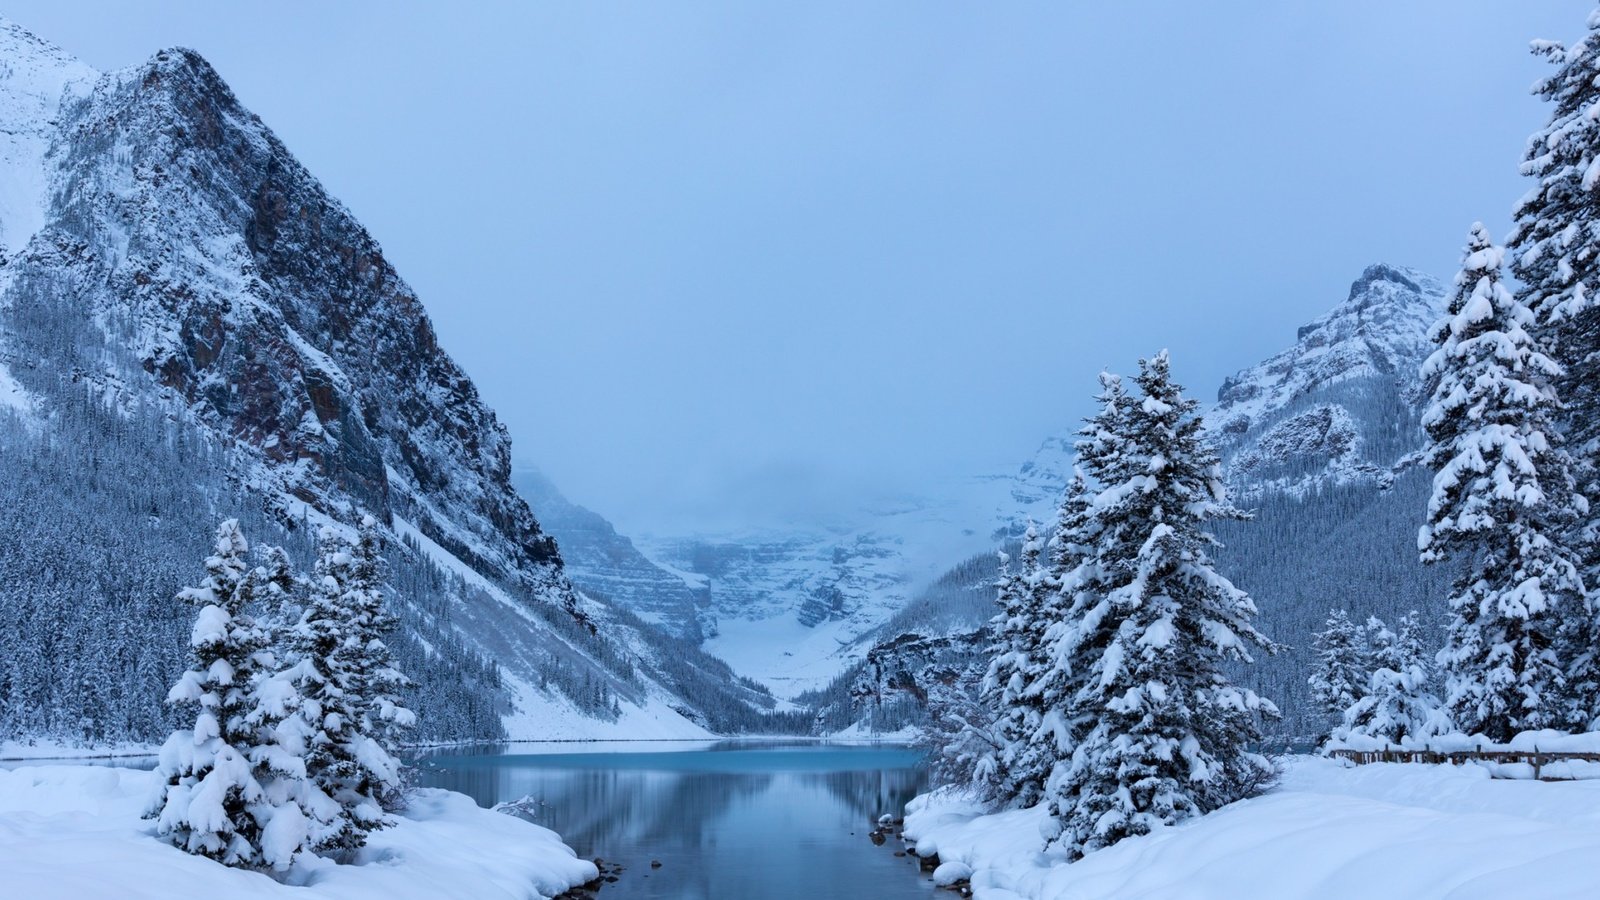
(1538, 759)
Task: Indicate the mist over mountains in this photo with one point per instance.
(189, 318)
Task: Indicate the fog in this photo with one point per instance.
(734, 263)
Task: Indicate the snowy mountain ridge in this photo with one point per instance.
(1337, 407)
(794, 608)
(603, 562)
(167, 258)
(36, 79)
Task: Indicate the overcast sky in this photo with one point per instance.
(748, 260)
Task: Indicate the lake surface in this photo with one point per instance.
(727, 821)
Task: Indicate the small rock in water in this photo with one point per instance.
(886, 819)
(655, 863)
(899, 853)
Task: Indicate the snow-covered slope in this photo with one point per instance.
(168, 257)
(795, 608)
(75, 833)
(602, 562)
(36, 79)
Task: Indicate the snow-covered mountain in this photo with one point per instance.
(1338, 407)
(1317, 441)
(1337, 410)
(177, 290)
(794, 608)
(603, 563)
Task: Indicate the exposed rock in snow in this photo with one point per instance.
(1341, 404)
(602, 562)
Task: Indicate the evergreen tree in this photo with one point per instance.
(234, 786)
(1018, 659)
(1343, 668)
(1164, 732)
(1501, 507)
(377, 683)
(1081, 582)
(1555, 248)
(1556, 256)
(1398, 704)
(340, 674)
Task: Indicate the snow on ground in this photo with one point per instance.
(858, 731)
(57, 750)
(75, 832)
(542, 717)
(786, 656)
(1330, 832)
(12, 395)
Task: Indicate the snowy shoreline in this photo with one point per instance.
(48, 751)
(1327, 832)
(75, 831)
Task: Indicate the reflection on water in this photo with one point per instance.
(728, 821)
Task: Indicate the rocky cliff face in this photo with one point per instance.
(1338, 407)
(1341, 405)
(253, 298)
(602, 562)
(166, 255)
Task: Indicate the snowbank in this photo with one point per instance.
(1329, 832)
(54, 750)
(75, 832)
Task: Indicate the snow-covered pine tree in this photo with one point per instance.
(1018, 634)
(1034, 751)
(1398, 704)
(979, 751)
(1501, 507)
(1168, 733)
(1082, 632)
(339, 672)
(1007, 678)
(233, 786)
(1344, 665)
(377, 683)
(1080, 583)
(1555, 254)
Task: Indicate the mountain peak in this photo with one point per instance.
(35, 76)
(1410, 279)
(19, 44)
(1303, 413)
(1395, 290)
(1332, 405)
